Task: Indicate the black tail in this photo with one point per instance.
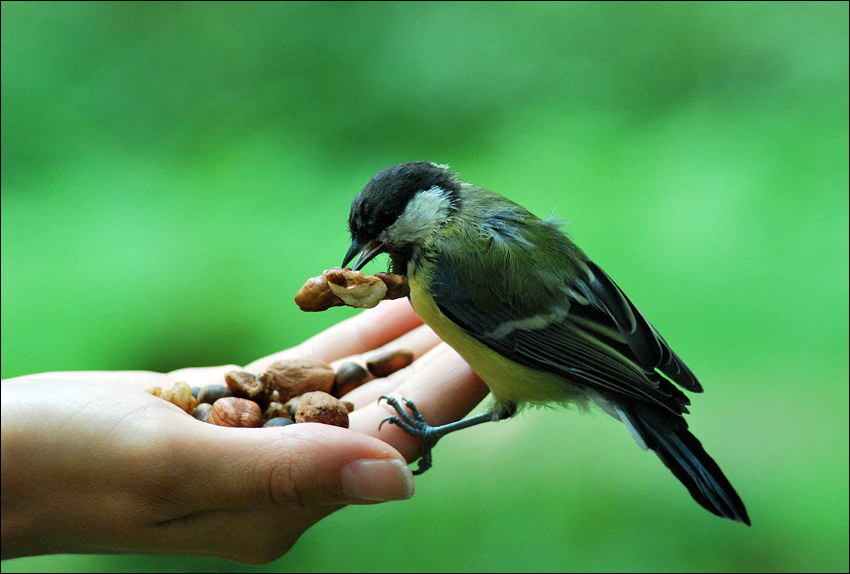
(667, 434)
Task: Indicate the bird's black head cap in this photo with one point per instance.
(387, 194)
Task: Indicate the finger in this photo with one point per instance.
(128, 379)
(296, 466)
(352, 372)
(440, 373)
(419, 341)
(441, 384)
(202, 376)
(196, 377)
(368, 330)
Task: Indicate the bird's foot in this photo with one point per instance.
(414, 424)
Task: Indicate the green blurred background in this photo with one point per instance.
(171, 173)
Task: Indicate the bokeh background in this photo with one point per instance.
(171, 173)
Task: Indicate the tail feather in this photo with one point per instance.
(682, 453)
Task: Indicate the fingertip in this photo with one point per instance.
(330, 465)
(379, 480)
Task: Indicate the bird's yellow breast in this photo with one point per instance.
(507, 379)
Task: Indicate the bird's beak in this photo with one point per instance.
(367, 253)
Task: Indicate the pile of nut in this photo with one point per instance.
(342, 286)
(290, 391)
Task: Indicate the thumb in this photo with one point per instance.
(302, 465)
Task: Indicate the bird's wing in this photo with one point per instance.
(647, 344)
(585, 329)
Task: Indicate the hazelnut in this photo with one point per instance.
(319, 407)
(235, 412)
(348, 377)
(387, 363)
(293, 377)
(248, 386)
(316, 295)
(355, 288)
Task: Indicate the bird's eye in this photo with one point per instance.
(385, 219)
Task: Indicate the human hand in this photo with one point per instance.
(92, 464)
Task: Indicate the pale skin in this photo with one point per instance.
(92, 464)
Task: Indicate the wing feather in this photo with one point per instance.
(584, 329)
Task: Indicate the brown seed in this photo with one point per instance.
(348, 377)
(275, 410)
(397, 286)
(316, 295)
(319, 407)
(278, 422)
(211, 393)
(349, 406)
(202, 412)
(291, 406)
(293, 377)
(248, 386)
(387, 363)
(236, 412)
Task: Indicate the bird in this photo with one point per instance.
(531, 314)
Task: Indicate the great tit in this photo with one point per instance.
(531, 314)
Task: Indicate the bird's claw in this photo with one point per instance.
(414, 424)
(393, 420)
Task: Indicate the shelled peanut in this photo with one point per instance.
(180, 394)
(342, 286)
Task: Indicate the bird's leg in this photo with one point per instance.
(413, 423)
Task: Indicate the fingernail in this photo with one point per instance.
(377, 479)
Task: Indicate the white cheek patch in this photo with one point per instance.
(425, 212)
